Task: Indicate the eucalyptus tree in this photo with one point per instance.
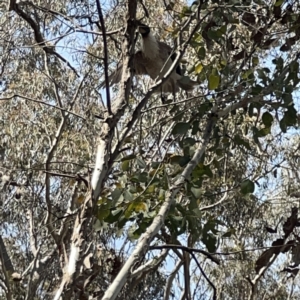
(110, 194)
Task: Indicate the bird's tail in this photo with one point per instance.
(113, 78)
(186, 83)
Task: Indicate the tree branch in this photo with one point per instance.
(7, 268)
(41, 102)
(187, 249)
(37, 33)
(170, 280)
(141, 247)
(105, 56)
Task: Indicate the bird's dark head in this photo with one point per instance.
(144, 30)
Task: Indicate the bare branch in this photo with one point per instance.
(187, 249)
(48, 220)
(186, 275)
(150, 265)
(7, 267)
(38, 35)
(31, 233)
(205, 276)
(208, 207)
(6, 262)
(171, 277)
(105, 56)
(104, 160)
(41, 102)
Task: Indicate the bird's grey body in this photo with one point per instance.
(157, 64)
(154, 60)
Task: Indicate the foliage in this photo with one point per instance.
(109, 193)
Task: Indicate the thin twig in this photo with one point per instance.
(192, 252)
(33, 244)
(168, 285)
(215, 204)
(6, 267)
(41, 102)
(186, 275)
(187, 249)
(205, 276)
(39, 37)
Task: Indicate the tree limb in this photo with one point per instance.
(105, 56)
(141, 247)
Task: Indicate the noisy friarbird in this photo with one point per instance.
(153, 60)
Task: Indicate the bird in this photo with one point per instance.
(153, 60)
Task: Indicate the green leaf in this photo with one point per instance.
(267, 119)
(255, 61)
(256, 90)
(141, 163)
(203, 108)
(125, 166)
(291, 116)
(175, 223)
(188, 142)
(151, 189)
(195, 127)
(247, 74)
(197, 192)
(114, 215)
(181, 128)
(179, 116)
(240, 141)
(213, 81)
(202, 170)
(174, 110)
(127, 196)
(247, 187)
(186, 11)
(140, 206)
(264, 132)
(116, 194)
(155, 164)
(143, 177)
(135, 206)
(283, 125)
(279, 63)
(288, 89)
(180, 160)
(135, 234)
(194, 43)
(289, 119)
(278, 3)
(198, 68)
(227, 234)
(294, 67)
(128, 157)
(214, 35)
(261, 74)
(140, 177)
(201, 53)
(223, 29)
(251, 110)
(103, 211)
(210, 242)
